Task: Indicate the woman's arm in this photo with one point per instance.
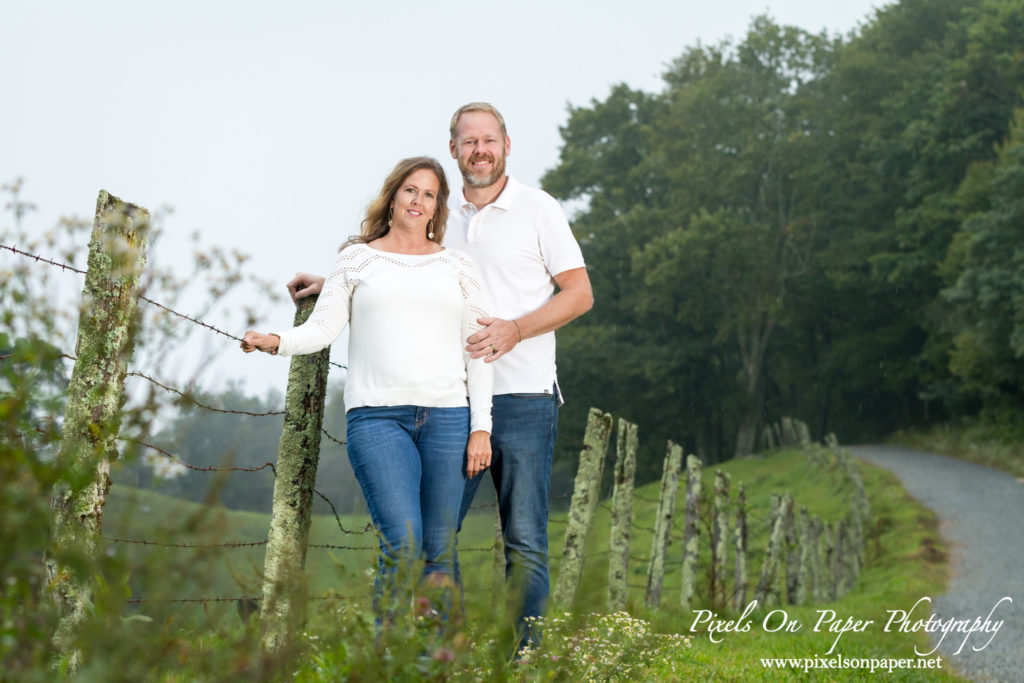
(325, 323)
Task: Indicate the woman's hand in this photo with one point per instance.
(478, 453)
(254, 341)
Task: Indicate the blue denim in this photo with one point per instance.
(522, 444)
(409, 461)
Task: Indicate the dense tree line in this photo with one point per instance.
(797, 224)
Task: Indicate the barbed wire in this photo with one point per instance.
(227, 544)
(239, 599)
(335, 440)
(189, 397)
(337, 518)
(196, 321)
(199, 468)
(243, 598)
(62, 266)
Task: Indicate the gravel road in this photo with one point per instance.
(982, 521)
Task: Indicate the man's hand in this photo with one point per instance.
(496, 339)
(303, 285)
(478, 453)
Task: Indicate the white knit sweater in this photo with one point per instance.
(410, 317)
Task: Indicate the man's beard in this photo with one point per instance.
(480, 181)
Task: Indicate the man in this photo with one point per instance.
(523, 247)
(521, 242)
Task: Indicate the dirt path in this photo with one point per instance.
(982, 521)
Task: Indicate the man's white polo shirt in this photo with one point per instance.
(519, 243)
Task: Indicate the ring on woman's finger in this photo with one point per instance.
(494, 349)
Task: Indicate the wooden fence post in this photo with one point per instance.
(818, 592)
(805, 570)
(720, 531)
(830, 561)
(803, 433)
(622, 515)
(92, 417)
(767, 591)
(663, 523)
(284, 579)
(585, 493)
(691, 531)
(792, 549)
(739, 591)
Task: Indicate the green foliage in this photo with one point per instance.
(804, 225)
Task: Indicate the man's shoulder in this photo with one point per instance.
(529, 193)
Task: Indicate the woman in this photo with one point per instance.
(411, 304)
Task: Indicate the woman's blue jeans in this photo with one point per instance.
(409, 462)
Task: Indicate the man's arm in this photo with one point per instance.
(574, 298)
(303, 285)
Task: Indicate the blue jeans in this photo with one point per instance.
(409, 462)
(522, 445)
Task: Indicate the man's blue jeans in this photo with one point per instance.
(409, 462)
(522, 444)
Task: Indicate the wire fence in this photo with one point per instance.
(192, 400)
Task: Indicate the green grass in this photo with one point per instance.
(905, 560)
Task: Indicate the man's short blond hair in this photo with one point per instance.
(478, 106)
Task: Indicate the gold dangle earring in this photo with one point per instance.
(391, 223)
(430, 229)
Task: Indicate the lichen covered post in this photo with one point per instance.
(720, 531)
(818, 573)
(586, 490)
(739, 591)
(805, 572)
(622, 515)
(691, 531)
(768, 589)
(106, 330)
(663, 523)
(792, 548)
(284, 580)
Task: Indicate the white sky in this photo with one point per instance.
(269, 126)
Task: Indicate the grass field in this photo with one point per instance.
(905, 561)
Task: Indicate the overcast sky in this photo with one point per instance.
(269, 126)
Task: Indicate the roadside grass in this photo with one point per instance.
(975, 440)
(905, 561)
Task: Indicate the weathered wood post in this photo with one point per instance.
(106, 330)
(622, 515)
(663, 523)
(284, 579)
(849, 555)
(803, 433)
(691, 531)
(819, 576)
(585, 493)
(789, 435)
(831, 538)
(720, 531)
(739, 591)
(805, 571)
(767, 591)
(792, 549)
